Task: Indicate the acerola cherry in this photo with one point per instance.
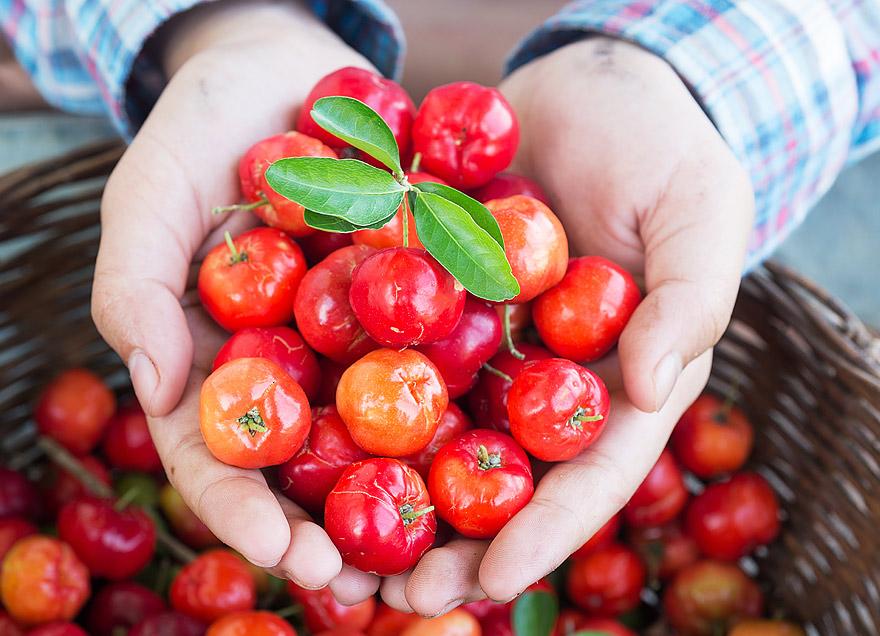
(58, 629)
(571, 622)
(605, 536)
(9, 627)
(18, 496)
(120, 606)
(321, 610)
(386, 97)
(557, 408)
(460, 355)
(61, 486)
(216, 583)
(582, 317)
(253, 414)
(74, 409)
(309, 476)
(534, 242)
(606, 582)
(466, 133)
(507, 184)
(712, 438)
(115, 544)
(320, 245)
(661, 496)
(389, 622)
(251, 623)
(42, 581)
(11, 530)
(322, 309)
(392, 401)
(186, 525)
(168, 624)
(251, 281)
(456, 623)
(730, 519)
(403, 297)
(127, 443)
(379, 516)
(766, 628)
(708, 597)
(453, 423)
(665, 549)
(281, 345)
(478, 481)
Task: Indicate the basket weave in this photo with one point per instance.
(805, 369)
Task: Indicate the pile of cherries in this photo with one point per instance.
(399, 410)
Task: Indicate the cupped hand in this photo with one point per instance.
(638, 174)
(247, 68)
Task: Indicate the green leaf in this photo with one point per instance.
(534, 614)
(345, 188)
(479, 212)
(353, 121)
(335, 224)
(465, 249)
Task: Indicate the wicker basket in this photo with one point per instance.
(806, 370)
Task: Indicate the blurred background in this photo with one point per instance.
(838, 246)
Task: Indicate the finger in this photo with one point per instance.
(695, 246)
(311, 560)
(576, 498)
(351, 586)
(446, 577)
(393, 592)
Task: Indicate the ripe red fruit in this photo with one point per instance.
(42, 581)
(120, 606)
(9, 627)
(58, 629)
(392, 401)
(456, 623)
(60, 486)
(507, 184)
(384, 96)
(466, 133)
(323, 312)
(127, 443)
(460, 355)
(730, 519)
(309, 476)
(214, 584)
(661, 496)
(557, 408)
(11, 530)
(665, 549)
(605, 536)
(571, 622)
(253, 414)
(534, 242)
(403, 297)
(582, 317)
(488, 399)
(18, 496)
(74, 409)
(766, 628)
(321, 610)
(251, 281)
(186, 525)
(379, 516)
(115, 544)
(281, 345)
(453, 423)
(320, 245)
(606, 582)
(277, 211)
(712, 438)
(251, 623)
(389, 622)
(168, 624)
(709, 597)
(478, 481)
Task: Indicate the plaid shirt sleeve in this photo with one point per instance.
(793, 86)
(84, 55)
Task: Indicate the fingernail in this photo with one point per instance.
(665, 375)
(449, 607)
(143, 376)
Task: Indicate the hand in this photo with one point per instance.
(638, 174)
(240, 70)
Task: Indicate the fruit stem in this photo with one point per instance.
(405, 221)
(487, 460)
(240, 207)
(409, 514)
(287, 612)
(508, 337)
(730, 396)
(416, 162)
(253, 422)
(237, 256)
(127, 497)
(580, 416)
(501, 374)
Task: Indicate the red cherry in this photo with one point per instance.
(730, 519)
(582, 317)
(456, 623)
(478, 481)
(309, 476)
(389, 622)
(665, 549)
(74, 409)
(61, 487)
(557, 408)
(18, 496)
(453, 423)
(115, 544)
(168, 624)
(186, 525)
(57, 629)
(323, 311)
(379, 516)
(384, 96)
(571, 622)
(661, 496)
(460, 355)
(403, 297)
(11, 530)
(251, 281)
(466, 133)
(606, 582)
(216, 583)
(251, 623)
(321, 610)
(712, 438)
(507, 184)
(319, 245)
(281, 345)
(606, 535)
(494, 618)
(488, 400)
(9, 627)
(120, 606)
(127, 443)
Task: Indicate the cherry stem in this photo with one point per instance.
(237, 256)
(405, 221)
(729, 399)
(409, 514)
(508, 337)
(416, 162)
(62, 457)
(580, 416)
(501, 374)
(487, 460)
(240, 207)
(127, 497)
(253, 422)
(290, 610)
